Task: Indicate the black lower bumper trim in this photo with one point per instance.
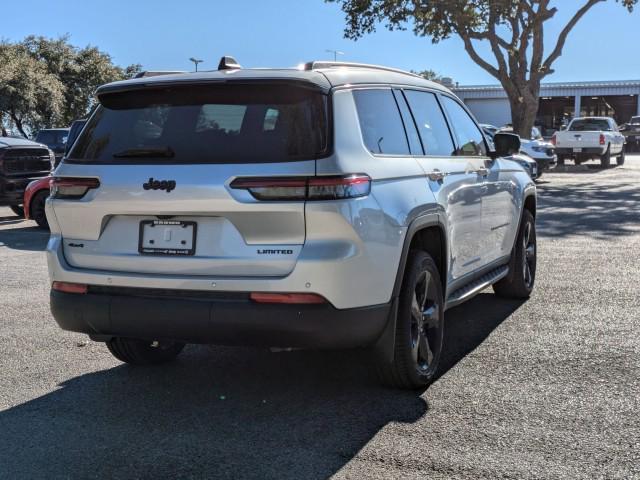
(217, 320)
(585, 150)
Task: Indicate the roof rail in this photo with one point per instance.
(317, 64)
(156, 73)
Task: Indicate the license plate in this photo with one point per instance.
(167, 237)
(577, 150)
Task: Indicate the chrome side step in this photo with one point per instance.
(473, 288)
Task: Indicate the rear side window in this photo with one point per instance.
(432, 125)
(206, 124)
(380, 122)
(469, 137)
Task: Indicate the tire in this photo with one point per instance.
(560, 160)
(419, 326)
(143, 352)
(605, 158)
(620, 158)
(36, 210)
(18, 210)
(522, 266)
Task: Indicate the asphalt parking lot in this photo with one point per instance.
(548, 388)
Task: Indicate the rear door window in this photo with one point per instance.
(206, 124)
(468, 135)
(380, 122)
(432, 126)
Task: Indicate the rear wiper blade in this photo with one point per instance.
(166, 152)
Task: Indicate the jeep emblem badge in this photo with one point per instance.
(152, 184)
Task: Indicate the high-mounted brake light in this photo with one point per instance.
(290, 298)
(68, 287)
(602, 139)
(71, 187)
(305, 188)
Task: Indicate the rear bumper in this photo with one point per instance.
(194, 317)
(585, 151)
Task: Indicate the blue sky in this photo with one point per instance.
(163, 35)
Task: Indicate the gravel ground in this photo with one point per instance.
(548, 388)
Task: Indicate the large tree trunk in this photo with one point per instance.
(524, 108)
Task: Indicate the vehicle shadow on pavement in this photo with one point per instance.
(469, 324)
(222, 412)
(588, 209)
(24, 238)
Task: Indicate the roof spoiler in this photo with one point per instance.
(229, 63)
(156, 73)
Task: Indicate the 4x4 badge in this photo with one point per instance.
(152, 184)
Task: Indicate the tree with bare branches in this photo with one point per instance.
(514, 29)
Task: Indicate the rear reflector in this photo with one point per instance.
(305, 188)
(67, 287)
(290, 298)
(72, 188)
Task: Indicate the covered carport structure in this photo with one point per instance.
(559, 102)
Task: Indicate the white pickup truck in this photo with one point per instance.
(590, 137)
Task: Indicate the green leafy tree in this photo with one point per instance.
(81, 70)
(30, 96)
(429, 75)
(514, 30)
(49, 82)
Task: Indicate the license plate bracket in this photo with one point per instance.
(167, 237)
(577, 150)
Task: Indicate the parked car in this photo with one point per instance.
(21, 161)
(528, 163)
(631, 131)
(542, 152)
(525, 161)
(588, 138)
(331, 206)
(55, 139)
(528, 148)
(37, 192)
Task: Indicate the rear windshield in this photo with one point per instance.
(590, 125)
(206, 124)
(52, 137)
(634, 120)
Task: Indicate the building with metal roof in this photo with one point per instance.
(559, 102)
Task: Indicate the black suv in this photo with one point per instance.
(55, 139)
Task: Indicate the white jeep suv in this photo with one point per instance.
(332, 206)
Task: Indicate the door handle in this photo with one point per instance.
(436, 175)
(483, 171)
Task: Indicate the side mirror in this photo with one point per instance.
(506, 144)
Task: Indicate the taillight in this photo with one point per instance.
(305, 188)
(602, 140)
(290, 298)
(68, 287)
(72, 188)
(553, 139)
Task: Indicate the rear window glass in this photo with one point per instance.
(380, 122)
(52, 137)
(206, 124)
(587, 125)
